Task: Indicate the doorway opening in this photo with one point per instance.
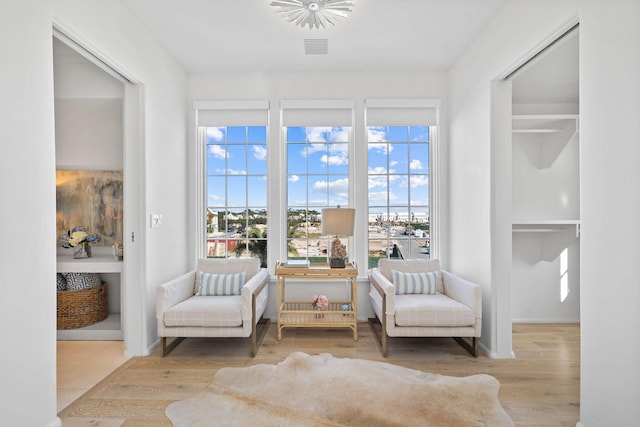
(537, 106)
(98, 137)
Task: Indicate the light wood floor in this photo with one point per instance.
(540, 387)
(83, 364)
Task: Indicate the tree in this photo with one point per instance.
(258, 246)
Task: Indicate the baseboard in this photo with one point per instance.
(494, 355)
(579, 424)
(152, 347)
(543, 321)
(57, 422)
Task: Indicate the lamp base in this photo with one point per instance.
(336, 263)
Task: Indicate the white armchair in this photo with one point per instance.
(225, 306)
(453, 309)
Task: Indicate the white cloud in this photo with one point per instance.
(339, 134)
(316, 134)
(379, 196)
(416, 165)
(376, 134)
(380, 181)
(416, 181)
(218, 151)
(317, 202)
(339, 187)
(419, 180)
(377, 181)
(381, 149)
(328, 134)
(313, 148)
(259, 152)
(294, 178)
(236, 172)
(334, 160)
(377, 170)
(215, 133)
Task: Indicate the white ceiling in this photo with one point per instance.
(249, 35)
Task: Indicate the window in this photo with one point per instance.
(317, 137)
(235, 185)
(236, 191)
(317, 177)
(399, 183)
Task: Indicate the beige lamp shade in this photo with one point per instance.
(338, 221)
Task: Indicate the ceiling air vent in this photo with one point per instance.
(316, 46)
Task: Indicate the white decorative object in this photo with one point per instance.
(313, 13)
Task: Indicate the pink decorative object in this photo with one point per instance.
(320, 302)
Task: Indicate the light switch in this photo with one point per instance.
(156, 220)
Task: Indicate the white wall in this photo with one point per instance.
(610, 130)
(88, 113)
(610, 205)
(545, 280)
(27, 162)
(89, 134)
(27, 189)
(516, 31)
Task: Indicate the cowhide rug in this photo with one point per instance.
(324, 390)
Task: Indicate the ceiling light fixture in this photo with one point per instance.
(313, 13)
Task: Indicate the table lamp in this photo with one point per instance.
(338, 222)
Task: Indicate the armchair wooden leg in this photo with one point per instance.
(380, 337)
(166, 349)
(471, 348)
(258, 335)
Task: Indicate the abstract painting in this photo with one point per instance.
(92, 199)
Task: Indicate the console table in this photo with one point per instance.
(339, 314)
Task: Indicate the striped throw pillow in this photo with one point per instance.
(220, 284)
(415, 283)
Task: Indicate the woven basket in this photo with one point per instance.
(82, 308)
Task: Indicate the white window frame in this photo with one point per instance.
(211, 113)
(314, 113)
(410, 112)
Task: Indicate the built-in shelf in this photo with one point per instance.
(110, 329)
(95, 264)
(544, 226)
(102, 261)
(543, 123)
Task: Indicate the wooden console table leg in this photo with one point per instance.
(280, 299)
(354, 306)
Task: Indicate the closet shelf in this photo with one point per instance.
(543, 123)
(544, 226)
(545, 116)
(537, 130)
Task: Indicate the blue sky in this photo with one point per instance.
(398, 171)
(244, 158)
(317, 166)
